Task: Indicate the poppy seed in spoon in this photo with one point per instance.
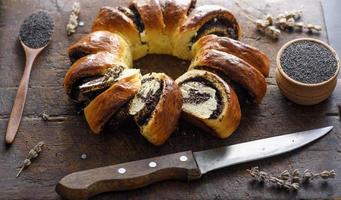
(308, 62)
(37, 30)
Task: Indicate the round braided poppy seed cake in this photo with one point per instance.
(222, 69)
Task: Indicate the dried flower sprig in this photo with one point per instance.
(285, 175)
(287, 21)
(308, 175)
(287, 180)
(46, 117)
(73, 19)
(281, 182)
(32, 154)
(295, 176)
(327, 174)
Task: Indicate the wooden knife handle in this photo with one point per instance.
(128, 176)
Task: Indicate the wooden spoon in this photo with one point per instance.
(19, 102)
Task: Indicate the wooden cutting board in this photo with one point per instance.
(67, 140)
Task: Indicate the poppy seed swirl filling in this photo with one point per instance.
(134, 15)
(218, 26)
(146, 99)
(88, 88)
(201, 98)
(243, 94)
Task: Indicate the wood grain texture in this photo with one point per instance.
(67, 140)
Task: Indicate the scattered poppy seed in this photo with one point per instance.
(36, 30)
(308, 62)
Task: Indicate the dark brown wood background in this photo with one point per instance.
(67, 140)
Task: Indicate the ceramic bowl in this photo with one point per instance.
(303, 93)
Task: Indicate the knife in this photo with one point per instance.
(186, 165)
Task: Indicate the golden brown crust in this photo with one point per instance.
(113, 20)
(234, 68)
(175, 13)
(88, 66)
(105, 105)
(228, 120)
(151, 15)
(188, 30)
(200, 15)
(164, 118)
(251, 55)
(122, 34)
(99, 41)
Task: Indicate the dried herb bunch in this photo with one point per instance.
(73, 20)
(32, 154)
(272, 26)
(287, 21)
(289, 180)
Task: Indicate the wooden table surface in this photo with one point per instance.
(67, 140)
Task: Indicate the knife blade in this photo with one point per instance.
(183, 166)
(213, 159)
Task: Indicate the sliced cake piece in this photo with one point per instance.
(91, 68)
(209, 102)
(156, 107)
(104, 106)
(248, 82)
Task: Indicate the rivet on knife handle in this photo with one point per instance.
(127, 176)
